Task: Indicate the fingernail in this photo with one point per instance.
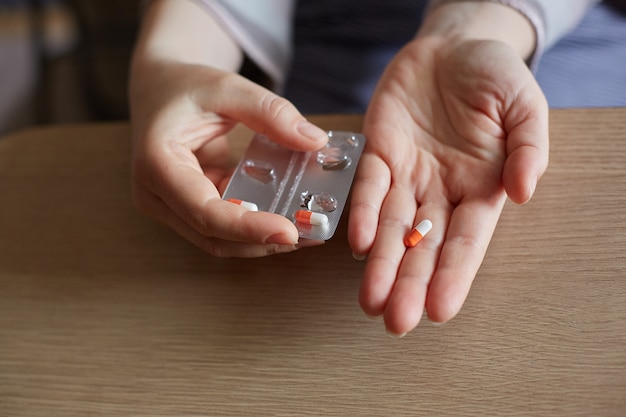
(533, 186)
(359, 257)
(438, 323)
(281, 239)
(308, 129)
(395, 335)
(305, 243)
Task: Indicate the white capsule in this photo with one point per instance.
(245, 204)
(417, 233)
(311, 217)
(424, 227)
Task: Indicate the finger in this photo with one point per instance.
(406, 303)
(215, 246)
(527, 148)
(371, 184)
(267, 113)
(186, 191)
(387, 251)
(471, 227)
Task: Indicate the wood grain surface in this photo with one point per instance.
(104, 312)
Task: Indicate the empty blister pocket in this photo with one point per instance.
(309, 188)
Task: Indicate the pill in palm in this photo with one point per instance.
(417, 233)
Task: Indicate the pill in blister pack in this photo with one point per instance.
(309, 188)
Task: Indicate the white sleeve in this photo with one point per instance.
(262, 28)
(552, 19)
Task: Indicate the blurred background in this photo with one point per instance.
(64, 60)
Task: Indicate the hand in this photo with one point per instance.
(453, 127)
(181, 113)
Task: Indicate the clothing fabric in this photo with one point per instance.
(551, 19)
(263, 27)
(327, 55)
(587, 67)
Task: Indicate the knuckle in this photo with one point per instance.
(278, 249)
(468, 241)
(141, 186)
(275, 106)
(216, 250)
(199, 223)
(136, 197)
(213, 247)
(140, 198)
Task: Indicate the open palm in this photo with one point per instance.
(452, 129)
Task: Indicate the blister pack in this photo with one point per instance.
(309, 188)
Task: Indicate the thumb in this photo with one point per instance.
(268, 113)
(527, 152)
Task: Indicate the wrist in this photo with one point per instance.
(458, 21)
(181, 31)
(178, 40)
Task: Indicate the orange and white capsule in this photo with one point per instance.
(311, 217)
(245, 204)
(417, 233)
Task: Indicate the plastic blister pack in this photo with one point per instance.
(309, 188)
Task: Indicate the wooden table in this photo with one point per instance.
(106, 313)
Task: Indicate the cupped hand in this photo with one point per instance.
(181, 114)
(453, 128)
